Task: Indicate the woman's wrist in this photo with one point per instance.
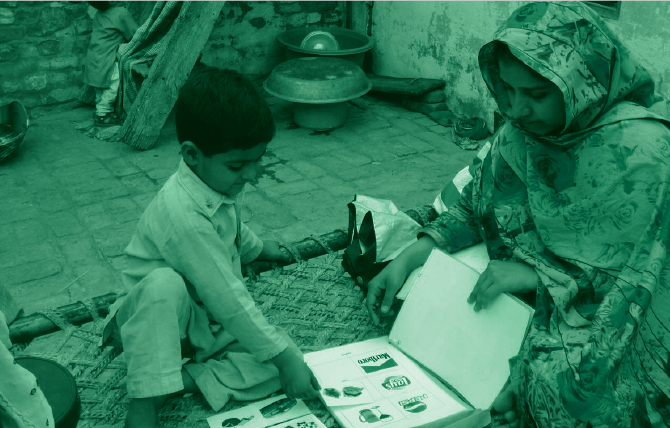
(417, 254)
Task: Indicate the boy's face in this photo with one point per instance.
(228, 172)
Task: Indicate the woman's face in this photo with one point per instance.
(536, 103)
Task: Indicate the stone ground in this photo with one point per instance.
(69, 203)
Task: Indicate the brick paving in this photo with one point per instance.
(70, 203)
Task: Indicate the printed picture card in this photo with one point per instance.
(403, 395)
(262, 414)
(309, 421)
(347, 392)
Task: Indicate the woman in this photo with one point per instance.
(572, 203)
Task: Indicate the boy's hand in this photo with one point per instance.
(272, 251)
(299, 382)
(296, 378)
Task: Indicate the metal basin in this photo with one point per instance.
(317, 80)
(13, 127)
(351, 44)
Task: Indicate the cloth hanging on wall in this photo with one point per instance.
(142, 50)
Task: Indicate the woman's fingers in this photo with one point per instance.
(500, 277)
(391, 289)
(489, 292)
(386, 283)
(374, 291)
(483, 293)
(504, 402)
(478, 286)
(510, 416)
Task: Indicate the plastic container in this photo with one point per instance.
(320, 117)
(352, 45)
(59, 388)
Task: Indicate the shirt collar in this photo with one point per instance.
(207, 198)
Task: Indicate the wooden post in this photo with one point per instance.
(159, 91)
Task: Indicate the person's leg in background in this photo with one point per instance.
(105, 99)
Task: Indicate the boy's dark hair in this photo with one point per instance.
(100, 5)
(221, 110)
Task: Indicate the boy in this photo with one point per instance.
(112, 25)
(186, 294)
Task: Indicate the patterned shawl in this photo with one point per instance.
(590, 210)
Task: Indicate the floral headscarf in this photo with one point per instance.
(570, 45)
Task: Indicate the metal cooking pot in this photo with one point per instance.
(317, 80)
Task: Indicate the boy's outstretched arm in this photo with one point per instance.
(296, 378)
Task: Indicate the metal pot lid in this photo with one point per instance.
(317, 80)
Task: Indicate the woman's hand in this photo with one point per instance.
(296, 378)
(388, 282)
(272, 251)
(385, 285)
(502, 277)
(505, 404)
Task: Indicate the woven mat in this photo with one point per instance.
(314, 301)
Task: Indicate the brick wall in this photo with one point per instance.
(43, 44)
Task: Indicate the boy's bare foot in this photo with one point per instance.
(504, 404)
(189, 384)
(143, 412)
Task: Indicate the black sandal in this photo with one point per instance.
(107, 120)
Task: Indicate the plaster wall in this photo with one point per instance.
(43, 44)
(244, 37)
(441, 40)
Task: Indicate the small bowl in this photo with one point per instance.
(320, 41)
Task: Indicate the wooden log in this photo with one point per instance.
(27, 328)
(307, 249)
(404, 86)
(337, 240)
(169, 72)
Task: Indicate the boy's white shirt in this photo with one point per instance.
(192, 229)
